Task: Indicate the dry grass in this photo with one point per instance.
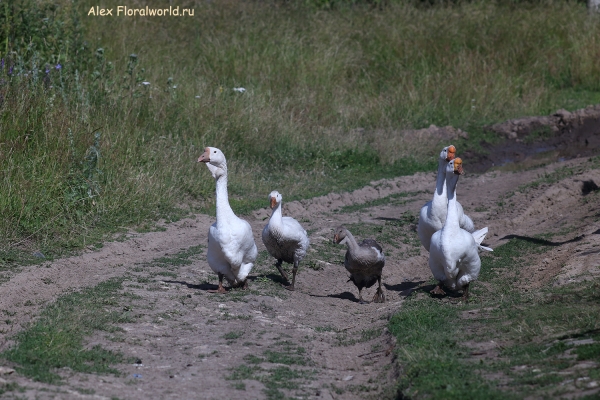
(328, 96)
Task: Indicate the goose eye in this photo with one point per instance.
(214, 151)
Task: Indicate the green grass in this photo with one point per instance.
(343, 339)
(391, 232)
(56, 339)
(282, 368)
(233, 335)
(392, 200)
(181, 258)
(532, 330)
(328, 93)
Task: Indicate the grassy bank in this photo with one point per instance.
(508, 342)
(56, 339)
(88, 148)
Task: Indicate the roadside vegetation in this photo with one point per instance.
(102, 119)
(507, 342)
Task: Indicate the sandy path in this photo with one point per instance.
(181, 332)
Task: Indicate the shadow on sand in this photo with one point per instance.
(202, 286)
(404, 289)
(544, 242)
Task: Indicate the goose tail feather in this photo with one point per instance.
(479, 236)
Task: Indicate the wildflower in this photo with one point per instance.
(174, 86)
(197, 97)
(58, 66)
(145, 83)
(239, 89)
(47, 70)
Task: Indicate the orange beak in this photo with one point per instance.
(451, 153)
(273, 202)
(335, 238)
(458, 169)
(205, 157)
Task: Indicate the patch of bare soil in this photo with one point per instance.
(535, 140)
(316, 342)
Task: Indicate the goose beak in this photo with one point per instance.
(458, 169)
(205, 157)
(335, 238)
(273, 202)
(451, 153)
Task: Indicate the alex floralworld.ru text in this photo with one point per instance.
(142, 12)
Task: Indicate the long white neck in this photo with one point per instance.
(224, 211)
(276, 220)
(351, 242)
(439, 197)
(452, 218)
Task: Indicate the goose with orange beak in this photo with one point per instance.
(454, 252)
(284, 238)
(433, 213)
(231, 248)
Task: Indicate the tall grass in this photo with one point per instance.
(88, 148)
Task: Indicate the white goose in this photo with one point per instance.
(454, 253)
(284, 238)
(433, 213)
(231, 248)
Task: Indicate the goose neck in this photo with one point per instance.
(351, 242)
(440, 183)
(224, 210)
(452, 218)
(276, 220)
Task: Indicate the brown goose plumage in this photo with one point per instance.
(364, 261)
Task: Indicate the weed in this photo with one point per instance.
(227, 316)
(55, 340)
(278, 377)
(588, 352)
(343, 339)
(233, 335)
(184, 257)
(325, 329)
(392, 200)
(11, 387)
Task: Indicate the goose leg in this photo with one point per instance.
(294, 270)
(281, 271)
(241, 285)
(221, 289)
(438, 290)
(360, 299)
(465, 295)
(379, 296)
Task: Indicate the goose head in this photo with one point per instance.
(448, 153)
(340, 234)
(454, 168)
(215, 161)
(275, 199)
